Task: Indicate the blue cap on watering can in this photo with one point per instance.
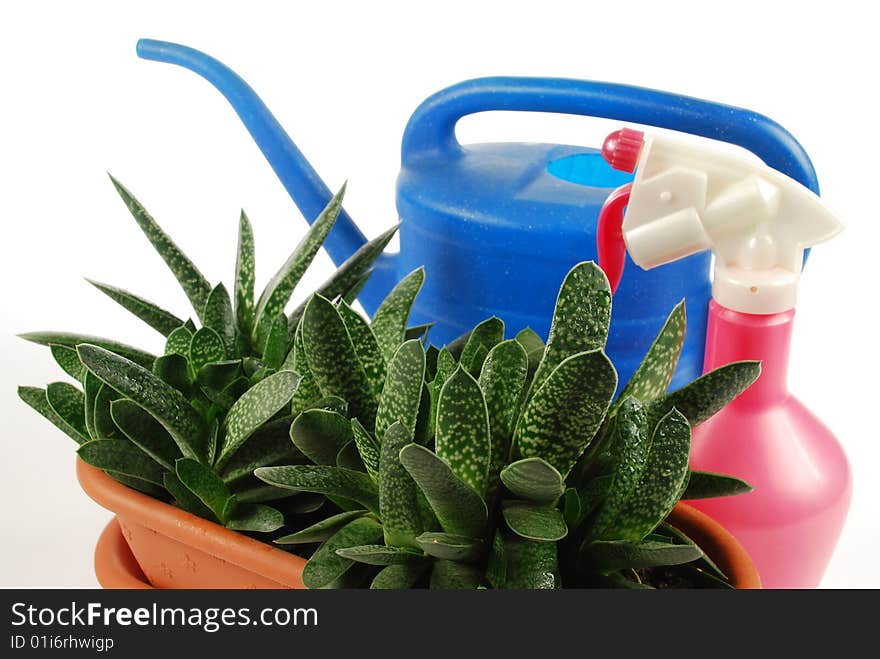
(497, 226)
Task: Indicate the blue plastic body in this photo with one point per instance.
(497, 226)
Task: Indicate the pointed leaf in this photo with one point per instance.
(68, 360)
(160, 320)
(103, 421)
(121, 456)
(350, 273)
(580, 320)
(165, 403)
(145, 432)
(322, 530)
(68, 402)
(654, 374)
(278, 291)
(530, 565)
(256, 406)
(534, 521)
(503, 380)
(333, 361)
(91, 386)
(191, 280)
(706, 485)
(254, 517)
(367, 447)
(446, 366)
(564, 414)
(206, 347)
(186, 499)
(365, 345)
(403, 389)
(320, 435)
(463, 430)
(398, 493)
(451, 547)
(308, 390)
(481, 340)
(205, 484)
(389, 321)
(275, 350)
(73, 340)
(36, 399)
(529, 340)
(179, 341)
(381, 555)
(533, 479)
(399, 577)
(703, 397)
(218, 316)
(244, 278)
(326, 566)
(607, 556)
(458, 507)
(327, 480)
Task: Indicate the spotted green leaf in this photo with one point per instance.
(205, 347)
(320, 435)
(68, 403)
(325, 566)
(323, 479)
(103, 421)
(482, 339)
(164, 402)
(350, 274)
(654, 374)
(160, 320)
(206, 485)
(534, 521)
(244, 278)
(399, 577)
(333, 361)
(463, 430)
(91, 386)
(605, 556)
(459, 508)
(530, 340)
(389, 321)
(275, 350)
(398, 493)
(308, 390)
(320, 531)
(706, 485)
(503, 379)
(580, 319)
(530, 565)
(145, 432)
(219, 317)
(178, 342)
(659, 487)
(562, 416)
(254, 517)
(186, 499)
(367, 447)
(269, 444)
(191, 280)
(381, 554)
(403, 389)
(277, 293)
(68, 360)
(533, 479)
(631, 438)
(703, 397)
(452, 575)
(365, 345)
(36, 399)
(255, 407)
(73, 340)
(174, 369)
(121, 456)
(446, 366)
(451, 547)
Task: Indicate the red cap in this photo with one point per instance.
(621, 149)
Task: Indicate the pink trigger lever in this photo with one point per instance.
(609, 235)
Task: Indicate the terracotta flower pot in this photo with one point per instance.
(153, 544)
(175, 549)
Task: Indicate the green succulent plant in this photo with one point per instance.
(192, 424)
(506, 463)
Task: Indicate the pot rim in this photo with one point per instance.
(188, 529)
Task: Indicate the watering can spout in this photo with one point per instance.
(305, 187)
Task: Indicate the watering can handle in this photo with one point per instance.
(431, 129)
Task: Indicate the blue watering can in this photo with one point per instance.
(497, 226)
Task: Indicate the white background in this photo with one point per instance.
(343, 79)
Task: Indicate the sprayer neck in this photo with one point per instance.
(735, 336)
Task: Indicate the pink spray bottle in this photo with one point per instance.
(687, 198)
